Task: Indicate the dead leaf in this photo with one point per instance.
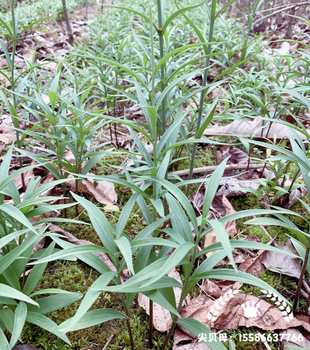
(211, 288)
(161, 317)
(210, 238)
(252, 128)
(190, 343)
(283, 263)
(197, 199)
(233, 187)
(7, 138)
(104, 192)
(294, 337)
(296, 194)
(220, 207)
(27, 177)
(236, 156)
(253, 266)
(233, 310)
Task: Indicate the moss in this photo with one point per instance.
(105, 165)
(237, 335)
(204, 157)
(77, 276)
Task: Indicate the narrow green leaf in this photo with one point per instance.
(46, 323)
(176, 13)
(9, 292)
(212, 187)
(19, 322)
(125, 249)
(172, 261)
(91, 296)
(197, 328)
(92, 318)
(221, 233)
(3, 340)
(54, 302)
(37, 272)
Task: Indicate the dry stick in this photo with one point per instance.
(264, 341)
(302, 273)
(304, 283)
(108, 342)
(206, 169)
(266, 232)
(285, 7)
(70, 35)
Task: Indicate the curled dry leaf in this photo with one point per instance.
(233, 310)
(211, 288)
(27, 177)
(294, 337)
(161, 317)
(220, 207)
(233, 187)
(236, 156)
(283, 263)
(24, 347)
(296, 194)
(253, 128)
(188, 343)
(104, 192)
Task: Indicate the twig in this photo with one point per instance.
(264, 341)
(304, 283)
(108, 342)
(284, 7)
(206, 169)
(266, 232)
(247, 251)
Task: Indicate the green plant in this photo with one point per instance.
(16, 83)
(18, 237)
(149, 270)
(299, 155)
(64, 132)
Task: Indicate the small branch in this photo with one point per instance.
(266, 232)
(206, 169)
(284, 7)
(108, 342)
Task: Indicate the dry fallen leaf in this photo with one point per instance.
(24, 347)
(27, 177)
(161, 317)
(283, 263)
(190, 343)
(211, 288)
(294, 337)
(252, 128)
(104, 192)
(220, 207)
(233, 187)
(236, 156)
(233, 310)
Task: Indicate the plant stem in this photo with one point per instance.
(70, 35)
(183, 294)
(155, 159)
(163, 66)
(128, 322)
(202, 96)
(151, 325)
(13, 84)
(302, 273)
